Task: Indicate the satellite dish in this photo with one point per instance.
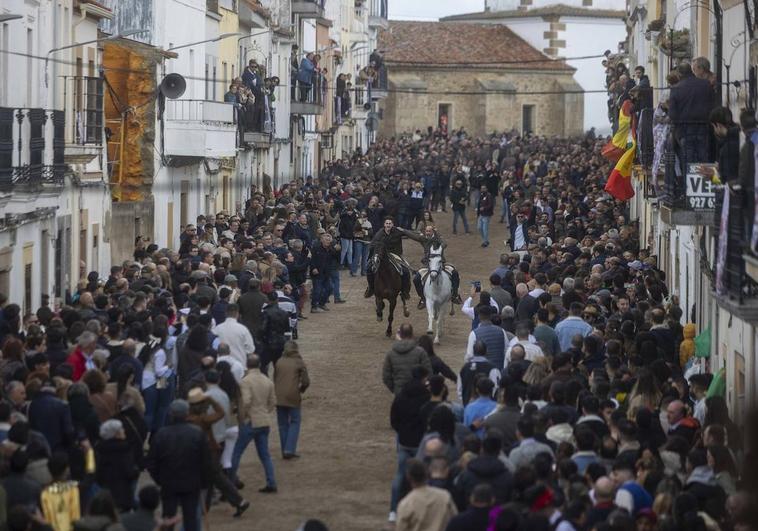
(173, 86)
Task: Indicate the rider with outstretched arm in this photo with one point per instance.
(389, 238)
(428, 239)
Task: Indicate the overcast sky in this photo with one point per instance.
(431, 9)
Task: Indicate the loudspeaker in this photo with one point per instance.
(367, 106)
(173, 86)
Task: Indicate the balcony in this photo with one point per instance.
(379, 84)
(256, 128)
(736, 291)
(378, 14)
(199, 129)
(84, 118)
(308, 99)
(687, 199)
(31, 149)
(308, 8)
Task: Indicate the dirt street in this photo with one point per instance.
(346, 443)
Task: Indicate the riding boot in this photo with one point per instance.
(455, 281)
(370, 289)
(419, 290)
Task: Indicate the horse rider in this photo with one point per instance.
(431, 238)
(389, 238)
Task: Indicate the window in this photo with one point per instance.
(44, 260)
(207, 80)
(527, 119)
(184, 204)
(444, 115)
(223, 73)
(170, 224)
(28, 256)
(214, 82)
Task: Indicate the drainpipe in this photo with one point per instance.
(719, 52)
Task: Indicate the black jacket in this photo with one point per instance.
(458, 197)
(391, 243)
(472, 519)
(116, 470)
(321, 259)
(52, 417)
(405, 413)
(486, 469)
(691, 101)
(171, 449)
(251, 307)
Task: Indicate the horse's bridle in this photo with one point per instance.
(435, 273)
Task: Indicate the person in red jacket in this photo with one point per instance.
(81, 358)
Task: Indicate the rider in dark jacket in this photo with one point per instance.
(390, 240)
(431, 238)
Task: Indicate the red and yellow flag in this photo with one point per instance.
(619, 183)
(618, 145)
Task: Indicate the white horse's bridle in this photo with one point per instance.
(434, 274)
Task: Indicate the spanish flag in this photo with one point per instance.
(619, 183)
(618, 145)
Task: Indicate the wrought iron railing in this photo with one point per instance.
(733, 282)
(27, 159)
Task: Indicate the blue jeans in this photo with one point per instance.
(320, 290)
(360, 257)
(403, 454)
(483, 224)
(157, 402)
(248, 434)
(346, 251)
(459, 214)
(334, 285)
(288, 419)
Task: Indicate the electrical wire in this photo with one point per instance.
(387, 90)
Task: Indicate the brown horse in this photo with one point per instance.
(387, 286)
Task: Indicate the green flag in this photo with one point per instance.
(703, 344)
(718, 385)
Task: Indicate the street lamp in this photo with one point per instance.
(214, 39)
(74, 45)
(5, 17)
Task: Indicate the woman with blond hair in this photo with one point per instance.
(538, 370)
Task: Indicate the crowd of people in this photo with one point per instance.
(572, 409)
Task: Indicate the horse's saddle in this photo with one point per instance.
(398, 263)
(424, 272)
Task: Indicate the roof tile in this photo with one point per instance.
(461, 44)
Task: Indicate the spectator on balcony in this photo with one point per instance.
(701, 67)
(690, 104)
(305, 76)
(728, 137)
(232, 96)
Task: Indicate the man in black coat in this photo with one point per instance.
(323, 257)
(276, 323)
(487, 468)
(51, 416)
(179, 461)
(476, 517)
(390, 240)
(251, 307)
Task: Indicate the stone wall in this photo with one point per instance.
(475, 108)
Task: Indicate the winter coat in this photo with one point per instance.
(486, 469)
(405, 414)
(290, 379)
(171, 449)
(116, 470)
(399, 362)
(687, 347)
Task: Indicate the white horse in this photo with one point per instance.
(437, 291)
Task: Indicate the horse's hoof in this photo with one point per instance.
(406, 313)
(388, 333)
(436, 341)
(429, 332)
(378, 318)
